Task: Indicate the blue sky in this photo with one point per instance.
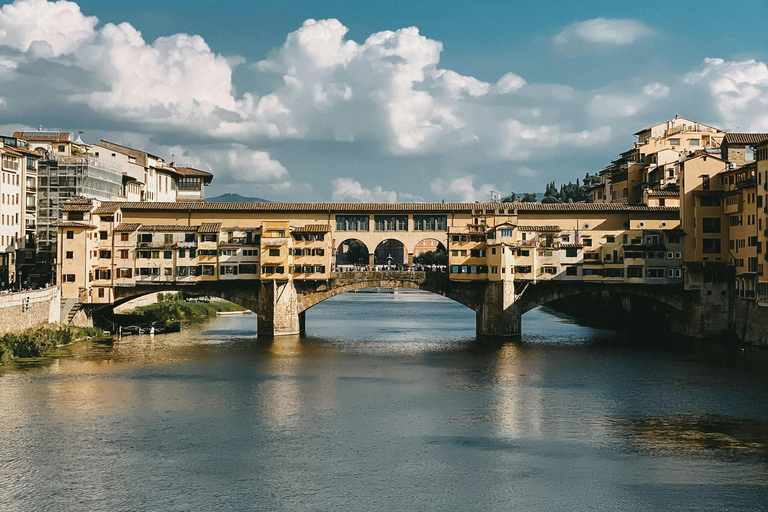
(358, 106)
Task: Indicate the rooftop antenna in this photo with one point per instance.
(40, 128)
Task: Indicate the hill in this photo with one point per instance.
(236, 198)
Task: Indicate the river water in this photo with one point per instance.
(389, 404)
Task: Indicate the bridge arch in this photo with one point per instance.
(428, 245)
(352, 251)
(542, 293)
(390, 250)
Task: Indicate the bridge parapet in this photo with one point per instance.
(380, 275)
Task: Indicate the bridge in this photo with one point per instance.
(281, 305)
(498, 259)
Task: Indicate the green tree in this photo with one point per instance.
(356, 253)
(431, 258)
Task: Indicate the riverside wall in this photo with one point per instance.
(749, 322)
(21, 310)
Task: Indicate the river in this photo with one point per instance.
(388, 404)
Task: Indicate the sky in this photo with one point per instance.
(312, 100)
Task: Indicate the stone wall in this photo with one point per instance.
(19, 311)
(749, 322)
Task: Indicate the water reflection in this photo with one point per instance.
(399, 409)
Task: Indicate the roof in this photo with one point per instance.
(71, 224)
(313, 228)
(165, 227)
(543, 229)
(127, 227)
(80, 204)
(745, 138)
(111, 207)
(44, 136)
(210, 227)
(195, 173)
(664, 193)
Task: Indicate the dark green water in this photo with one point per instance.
(389, 404)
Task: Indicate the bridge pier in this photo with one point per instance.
(498, 314)
(278, 309)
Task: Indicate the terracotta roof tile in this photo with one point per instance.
(384, 207)
(210, 227)
(72, 224)
(313, 228)
(571, 246)
(543, 229)
(745, 138)
(664, 193)
(127, 227)
(168, 227)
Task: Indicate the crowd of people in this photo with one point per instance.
(395, 267)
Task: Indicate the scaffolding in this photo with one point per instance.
(61, 179)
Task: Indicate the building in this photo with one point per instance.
(105, 245)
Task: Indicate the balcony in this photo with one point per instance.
(152, 245)
(186, 245)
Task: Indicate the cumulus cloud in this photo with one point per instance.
(600, 34)
(739, 90)
(462, 189)
(526, 172)
(237, 163)
(349, 189)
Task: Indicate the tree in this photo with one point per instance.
(530, 197)
(431, 258)
(356, 252)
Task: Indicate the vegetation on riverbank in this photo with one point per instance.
(40, 341)
(173, 308)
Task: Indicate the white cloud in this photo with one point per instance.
(55, 28)
(237, 162)
(462, 189)
(345, 189)
(600, 33)
(739, 90)
(509, 82)
(656, 90)
(526, 172)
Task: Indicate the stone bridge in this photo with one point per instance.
(281, 305)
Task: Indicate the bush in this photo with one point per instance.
(39, 341)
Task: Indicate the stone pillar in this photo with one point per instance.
(303, 323)
(499, 315)
(410, 259)
(371, 260)
(278, 308)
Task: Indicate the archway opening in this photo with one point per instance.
(430, 253)
(352, 252)
(390, 253)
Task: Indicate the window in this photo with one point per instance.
(693, 142)
(69, 278)
(610, 239)
(274, 252)
(168, 255)
(143, 254)
(587, 242)
(655, 272)
(189, 237)
(70, 234)
(124, 237)
(571, 271)
(711, 245)
(145, 237)
(634, 272)
(430, 223)
(168, 239)
(168, 271)
(105, 254)
(674, 142)
(571, 253)
(391, 222)
(352, 222)
(102, 235)
(70, 255)
(155, 255)
(124, 254)
(710, 225)
(507, 232)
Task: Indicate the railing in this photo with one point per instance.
(388, 275)
(186, 245)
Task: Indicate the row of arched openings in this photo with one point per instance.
(390, 252)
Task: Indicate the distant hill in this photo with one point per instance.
(236, 198)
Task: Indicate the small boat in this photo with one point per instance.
(173, 327)
(231, 313)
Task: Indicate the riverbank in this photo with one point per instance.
(41, 341)
(177, 310)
